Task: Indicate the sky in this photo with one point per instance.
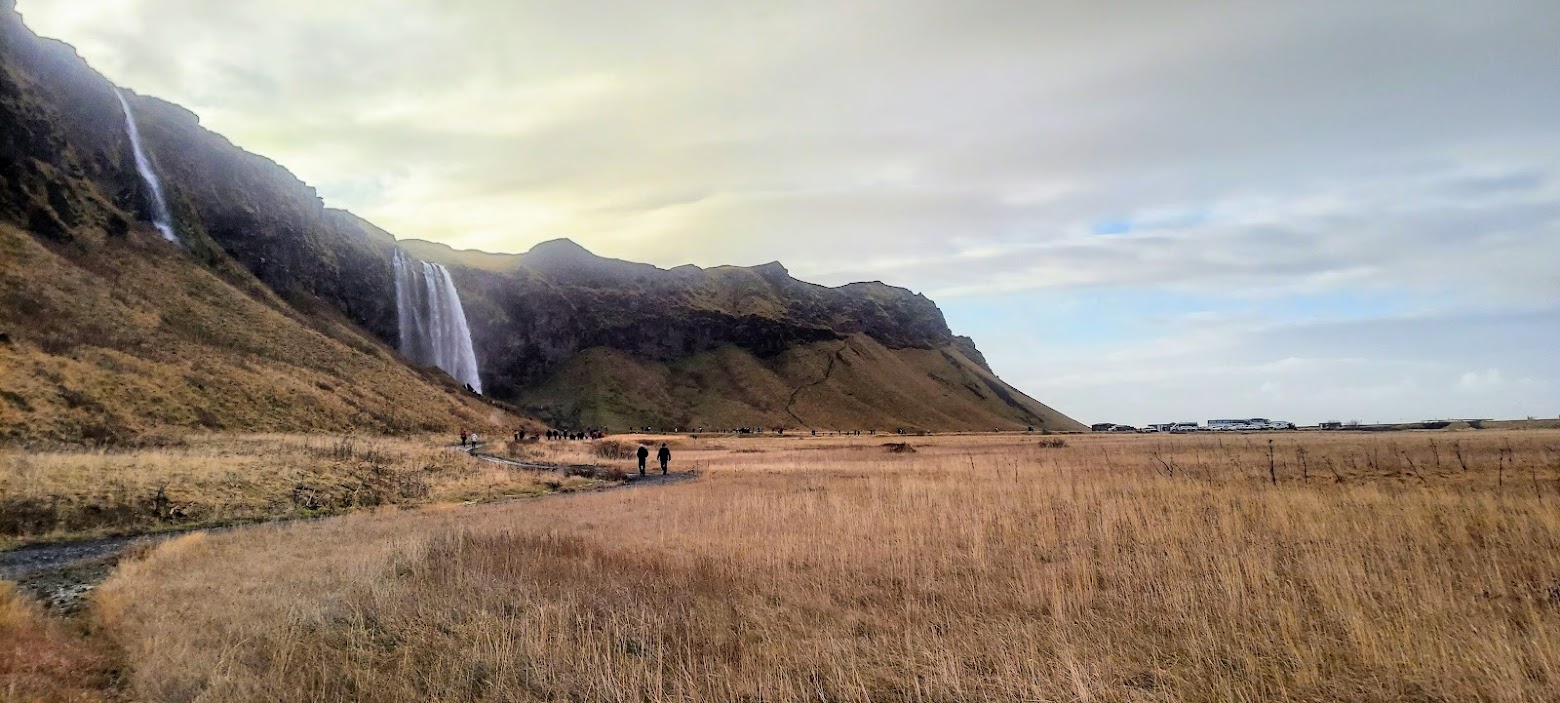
(1142, 211)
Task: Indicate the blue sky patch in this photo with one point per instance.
(1108, 227)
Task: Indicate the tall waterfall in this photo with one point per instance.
(162, 218)
(433, 323)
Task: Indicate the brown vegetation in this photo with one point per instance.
(202, 480)
(615, 451)
(1317, 567)
(43, 661)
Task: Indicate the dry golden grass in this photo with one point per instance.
(974, 569)
(216, 479)
(41, 661)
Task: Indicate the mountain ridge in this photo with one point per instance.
(72, 186)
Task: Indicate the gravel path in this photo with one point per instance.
(18, 564)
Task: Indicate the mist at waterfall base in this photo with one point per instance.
(162, 217)
(433, 323)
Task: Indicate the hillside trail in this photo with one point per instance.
(828, 372)
(61, 574)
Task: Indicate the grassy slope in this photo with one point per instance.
(126, 334)
(850, 384)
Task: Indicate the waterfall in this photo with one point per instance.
(162, 218)
(408, 308)
(433, 322)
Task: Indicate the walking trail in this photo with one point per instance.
(61, 574)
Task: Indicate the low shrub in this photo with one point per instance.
(609, 449)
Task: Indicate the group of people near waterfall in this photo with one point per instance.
(563, 434)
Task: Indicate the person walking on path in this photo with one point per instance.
(644, 453)
(663, 455)
(463, 438)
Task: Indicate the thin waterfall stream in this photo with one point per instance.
(162, 217)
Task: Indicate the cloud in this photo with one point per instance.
(1401, 150)
(1481, 380)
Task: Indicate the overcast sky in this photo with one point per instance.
(1142, 210)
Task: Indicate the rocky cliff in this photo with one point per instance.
(550, 327)
(582, 339)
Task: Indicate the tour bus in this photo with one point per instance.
(1254, 424)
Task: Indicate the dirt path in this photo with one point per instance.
(630, 479)
(61, 574)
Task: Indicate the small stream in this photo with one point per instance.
(62, 574)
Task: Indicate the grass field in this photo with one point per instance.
(204, 480)
(1411, 566)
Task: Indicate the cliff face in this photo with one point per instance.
(68, 164)
(539, 320)
(107, 331)
(538, 310)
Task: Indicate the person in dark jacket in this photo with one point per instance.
(644, 453)
(663, 455)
